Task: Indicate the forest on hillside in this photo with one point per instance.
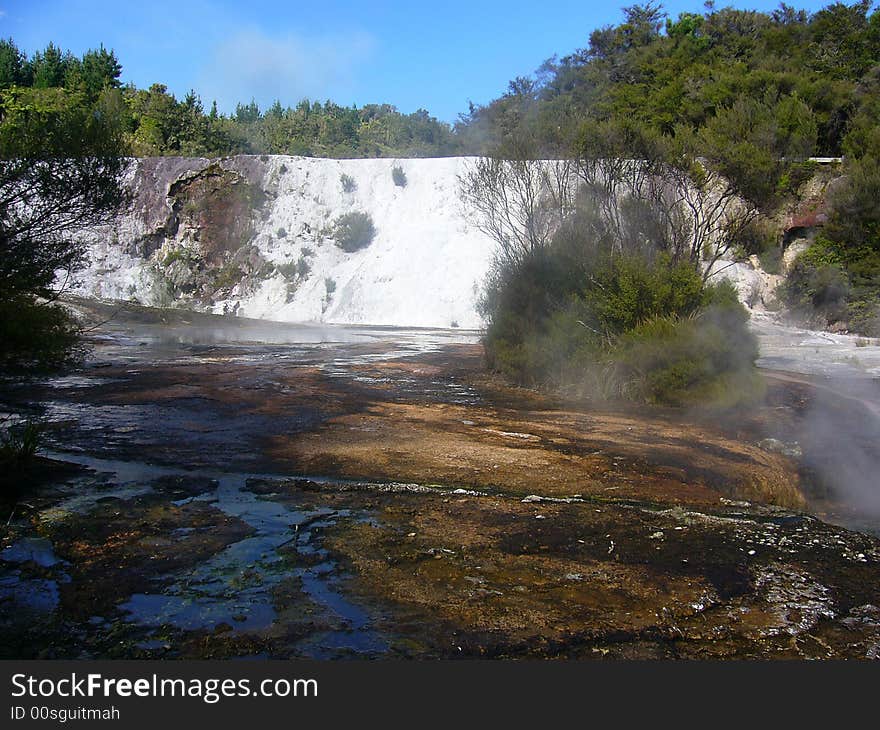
(753, 87)
(155, 122)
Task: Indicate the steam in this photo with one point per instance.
(841, 444)
(251, 64)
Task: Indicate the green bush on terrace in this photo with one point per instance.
(636, 326)
(353, 231)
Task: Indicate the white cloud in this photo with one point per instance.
(251, 64)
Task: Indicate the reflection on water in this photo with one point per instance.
(234, 588)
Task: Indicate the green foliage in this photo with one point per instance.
(755, 144)
(157, 123)
(329, 289)
(771, 259)
(757, 92)
(353, 231)
(227, 276)
(177, 254)
(837, 280)
(293, 270)
(59, 173)
(287, 270)
(399, 176)
(791, 181)
(705, 359)
(817, 286)
(348, 183)
(627, 290)
(756, 238)
(14, 67)
(582, 317)
(36, 336)
(752, 96)
(61, 158)
(19, 444)
(163, 125)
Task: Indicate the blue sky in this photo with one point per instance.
(432, 55)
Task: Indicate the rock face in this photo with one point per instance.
(255, 236)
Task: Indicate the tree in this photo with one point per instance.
(100, 70)
(60, 167)
(50, 67)
(518, 199)
(14, 68)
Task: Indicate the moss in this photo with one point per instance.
(177, 254)
(227, 276)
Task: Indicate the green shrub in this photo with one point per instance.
(18, 448)
(227, 276)
(836, 280)
(37, 336)
(817, 286)
(757, 237)
(353, 231)
(863, 316)
(635, 327)
(791, 181)
(348, 183)
(287, 270)
(329, 288)
(630, 289)
(399, 176)
(178, 254)
(19, 444)
(707, 359)
(771, 260)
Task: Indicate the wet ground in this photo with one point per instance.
(243, 490)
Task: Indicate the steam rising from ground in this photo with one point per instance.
(841, 443)
(839, 433)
